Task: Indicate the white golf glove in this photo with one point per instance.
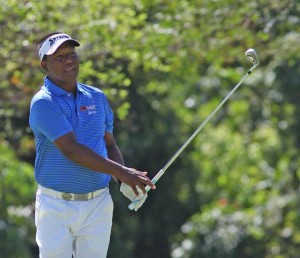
(138, 200)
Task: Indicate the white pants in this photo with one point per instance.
(81, 228)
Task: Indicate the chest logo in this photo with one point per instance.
(89, 109)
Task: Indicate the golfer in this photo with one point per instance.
(76, 156)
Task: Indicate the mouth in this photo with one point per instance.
(70, 69)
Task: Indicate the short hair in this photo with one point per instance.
(41, 41)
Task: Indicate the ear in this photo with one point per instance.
(44, 66)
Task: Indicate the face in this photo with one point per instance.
(62, 67)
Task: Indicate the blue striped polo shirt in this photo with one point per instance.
(55, 112)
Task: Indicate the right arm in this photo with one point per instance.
(85, 157)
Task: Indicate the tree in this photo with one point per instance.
(165, 66)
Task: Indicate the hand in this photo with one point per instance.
(135, 179)
(138, 200)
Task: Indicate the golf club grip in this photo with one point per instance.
(148, 188)
(155, 179)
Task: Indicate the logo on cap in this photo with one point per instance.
(52, 40)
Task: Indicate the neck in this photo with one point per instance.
(70, 86)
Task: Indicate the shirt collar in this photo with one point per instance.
(56, 90)
(80, 88)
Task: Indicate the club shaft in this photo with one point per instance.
(169, 163)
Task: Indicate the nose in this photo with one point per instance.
(68, 59)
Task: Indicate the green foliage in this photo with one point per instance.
(165, 65)
(16, 197)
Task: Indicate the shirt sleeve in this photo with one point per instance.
(109, 121)
(47, 118)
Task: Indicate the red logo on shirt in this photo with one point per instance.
(91, 109)
(85, 108)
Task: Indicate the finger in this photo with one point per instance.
(153, 186)
(143, 189)
(143, 175)
(137, 172)
(140, 202)
(137, 207)
(149, 182)
(134, 189)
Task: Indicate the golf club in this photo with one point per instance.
(252, 57)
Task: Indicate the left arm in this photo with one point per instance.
(114, 154)
(113, 151)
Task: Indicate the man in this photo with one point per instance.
(76, 156)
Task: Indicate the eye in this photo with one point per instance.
(58, 58)
(73, 55)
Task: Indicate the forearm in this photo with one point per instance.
(86, 157)
(115, 154)
(83, 156)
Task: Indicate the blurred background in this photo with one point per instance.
(165, 65)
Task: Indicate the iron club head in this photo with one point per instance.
(252, 56)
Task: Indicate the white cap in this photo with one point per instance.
(52, 43)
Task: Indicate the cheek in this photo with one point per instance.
(53, 68)
(77, 65)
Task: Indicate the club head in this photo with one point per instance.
(252, 56)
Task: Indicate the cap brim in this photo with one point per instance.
(59, 43)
